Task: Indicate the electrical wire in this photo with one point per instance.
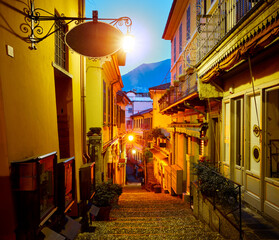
(252, 77)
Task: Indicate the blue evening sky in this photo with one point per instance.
(149, 18)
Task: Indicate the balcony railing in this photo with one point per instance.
(223, 193)
(185, 87)
(226, 17)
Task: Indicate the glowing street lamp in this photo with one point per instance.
(130, 137)
(128, 43)
(93, 39)
(133, 151)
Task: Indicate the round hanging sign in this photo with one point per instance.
(94, 39)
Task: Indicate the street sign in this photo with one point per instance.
(94, 39)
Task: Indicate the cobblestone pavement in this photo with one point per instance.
(149, 215)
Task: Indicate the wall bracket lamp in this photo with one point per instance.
(33, 18)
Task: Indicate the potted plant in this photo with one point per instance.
(118, 191)
(176, 83)
(181, 78)
(103, 199)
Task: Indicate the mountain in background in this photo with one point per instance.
(146, 76)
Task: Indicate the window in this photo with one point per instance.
(129, 124)
(180, 38)
(199, 7)
(238, 130)
(188, 26)
(109, 106)
(272, 132)
(61, 50)
(242, 7)
(188, 60)
(130, 110)
(104, 102)
(180, 69)
(174, 49)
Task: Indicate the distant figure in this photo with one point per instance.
(136, 170)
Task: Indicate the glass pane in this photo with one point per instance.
(272, 133)
(46, 186)
(227, 134)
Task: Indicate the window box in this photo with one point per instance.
(181, 78)
(176, 83)
(190, 70)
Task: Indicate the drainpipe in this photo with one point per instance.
(83, 107)
(173, 147)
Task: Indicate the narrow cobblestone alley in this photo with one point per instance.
(149, 215)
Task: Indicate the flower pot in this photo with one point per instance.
(103, 214)
(157, 189)
(114, 202)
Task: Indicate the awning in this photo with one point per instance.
(193, 130)
(158, 154)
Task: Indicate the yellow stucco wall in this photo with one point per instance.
(159, 120)
(28, 86)
(94, 95)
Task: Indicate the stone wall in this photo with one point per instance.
(204, 211)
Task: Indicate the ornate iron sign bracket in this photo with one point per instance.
(33, 18)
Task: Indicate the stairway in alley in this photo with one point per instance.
(149, 215)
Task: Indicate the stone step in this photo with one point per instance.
(174, 235)
(146, 215)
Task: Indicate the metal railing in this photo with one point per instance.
(183, 89)
(223, 193)
(213, 27)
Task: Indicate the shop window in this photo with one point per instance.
(272, 132)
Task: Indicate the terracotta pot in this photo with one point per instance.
(103, 214)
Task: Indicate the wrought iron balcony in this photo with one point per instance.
(180, 90)
(226, 17)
